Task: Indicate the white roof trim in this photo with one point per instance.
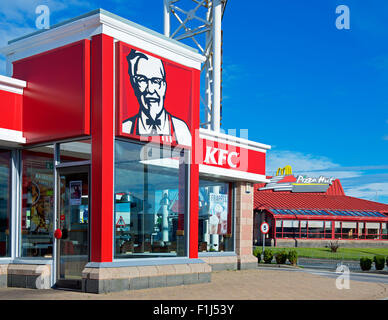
(125, 32)
(232, 140)
(12, 85)
(8, 135)
(230, 174)
(106, 23)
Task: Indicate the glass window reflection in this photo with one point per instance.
(215, 218)
(150, 206)
(5, 181)
(37, 202)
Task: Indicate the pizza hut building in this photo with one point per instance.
(310, 212)
(107, 182)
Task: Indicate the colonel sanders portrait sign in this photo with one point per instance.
(155, 98)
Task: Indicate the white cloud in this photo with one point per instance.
(17, 18)
(357, 181)
(297, 160)
(385, 138)
(9, 32)
(310, 165)
(369, 191)
(22, 12)
(307, 164)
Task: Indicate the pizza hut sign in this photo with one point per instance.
(321, 179)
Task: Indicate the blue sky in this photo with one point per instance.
(316, 94)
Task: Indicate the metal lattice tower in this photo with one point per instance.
(200, 21)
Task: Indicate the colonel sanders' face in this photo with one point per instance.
(149, 80)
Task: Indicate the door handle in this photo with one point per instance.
(58, 234)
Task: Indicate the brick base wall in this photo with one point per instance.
(221, 262)
(103, 280)
(25, 276)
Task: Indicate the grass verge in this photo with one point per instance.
(325, 253)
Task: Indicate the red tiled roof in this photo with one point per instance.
(335, 189)
(333, 199)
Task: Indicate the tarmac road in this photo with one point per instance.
(354, 276)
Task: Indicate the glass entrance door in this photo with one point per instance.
(73, 220)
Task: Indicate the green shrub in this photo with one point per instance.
(257, 251)
(268, 255)
(257, 254)
(333, 246)
(281, 257)
(365, 263)
(387, 261)
(379, 262)
(293, 257)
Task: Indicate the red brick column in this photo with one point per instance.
(244, 226)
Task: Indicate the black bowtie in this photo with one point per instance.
(153, 123)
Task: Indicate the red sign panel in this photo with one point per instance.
(11, 111)
(155, 97)
(230, 156)
(56, 102)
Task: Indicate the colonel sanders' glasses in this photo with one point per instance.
(143, 82)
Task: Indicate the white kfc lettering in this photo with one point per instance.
(210, 155)
(224, 156)
(231, 164)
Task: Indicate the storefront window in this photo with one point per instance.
(37, 202)
(337, 230)
(384, 230)
(373, 230)
(279, 229)
(361, 230)
(349, 230)
(316, 229)
(150, 201)
(290, 229)
(5, 181)
(215, 217)
(303, 229)
(75, 151)
(328, 229)
(324, 229)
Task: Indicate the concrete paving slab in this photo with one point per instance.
(255, 284)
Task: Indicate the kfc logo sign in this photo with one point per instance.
(229, 156)
(221, 157)
(155, 97)
(148, 78)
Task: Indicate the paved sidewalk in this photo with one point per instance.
(254, 284)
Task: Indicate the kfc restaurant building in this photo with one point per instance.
(107, 183)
